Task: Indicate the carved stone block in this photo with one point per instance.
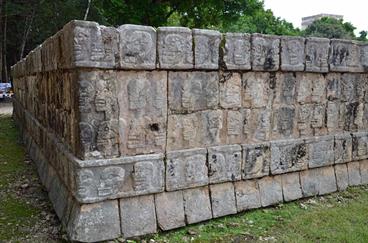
(292, 54)
(230, 90)
(213, 127)
(257, 90)
(332, 116)
(318, 116)
(193, 91)
(143, 111)
(360, 145)
(175, 49)
(170, 210)
(354, 173)
(344, 56)
(364, 171)
(343, 148)
(283, 122)
(321, 151)
(316, 54)
(137, 47)
(257, 125)
(270, 190)
(223, 199)
(237, 51)
(206, 48)
(288, 156)
(285, 89)
(342, 178)
(186, 169)
(351, 91)
(318, 181)
(197, 205)
(311, 88)
(333, 86)
(265, 52)
(247, 195)
(291, 187)
(234, 126)
(364, 56)
(256, 160)
(303, 119)
(224, 163)
(138, 216)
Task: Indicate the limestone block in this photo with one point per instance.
(223, 199)
(138, 216)
(256, 160)
(170, 210)
(237, 51)
(311, 88)
(270, 189)
(206, 48)
(288, 156)
(360, 145)
(121, 177)
(291, 187)
(193, 91)
(354, 173)
(94, 222)
(351, 87)
(213, 128)
(321, 151)
(285, 89)
(318, 116)
(50, 53)
(342, 177)
(343, 148)
(224, 163)
(230, 90)
(333, 86)
(137, 47)
(256, 125)
(364, 56)
(175, 48)
(318, 181)
(197, 205)
(333, 116)
(303, 119)
(364, 171)
(186, 169)
(265, 52)
(292, 53)
(257, 90)
(234, 126)
(316, 54)
(283, 121)
(143, 111)
(247, 195)
(344, 56)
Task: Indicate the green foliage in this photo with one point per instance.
(363, 36)
(330, 28)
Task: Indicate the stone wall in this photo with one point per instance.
(136, 130)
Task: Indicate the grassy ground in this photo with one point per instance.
(26, 214)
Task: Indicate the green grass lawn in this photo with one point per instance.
(339, 217)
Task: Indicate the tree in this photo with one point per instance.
(331, 28)
(363, 36)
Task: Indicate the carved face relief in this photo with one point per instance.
(86, 93)
(85, 183)
(107, 137)
(214, 124)
(362, 147)
(194, 168)
(86, 134)
(364, 55)
(240, 56)
(81, 44)
(259, 50)
(175, 46)
(137, 94)
(101, 100)
(234, 123)
(318, 116)
(136, 138)
(340, 55)
(138, 45)
(294, 49)
(191, 93)
(143, 176)
(218, 165)
(189, 129)
(111, 181)
(204, 54)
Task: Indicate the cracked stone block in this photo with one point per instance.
(186, 169)
(321, 151)
(175, 48)
(283, 122)
(230, 90)
(206, 48)
(360, 145)
(292, 53)
(223, 199)
(291, 187)
(256, 160)
(137, 47)
(354, 174)
(193, 91)
(138, 216)
(170, 210)
(237, 51)
(316, 54)
(318, 181)
(270, 189)
(247, 195)
(257, 89)
(288, 156)
(224, 163)
(364, 171)
(342, 177)
(94, 222)
(343, 148)
(265, 52)
(344, 56)
(197, 205)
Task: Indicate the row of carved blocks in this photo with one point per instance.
(87, 44)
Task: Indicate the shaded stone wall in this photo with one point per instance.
(176, 126)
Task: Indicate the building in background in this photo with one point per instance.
(306, 21)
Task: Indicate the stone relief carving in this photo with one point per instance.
(107, 140)
(256, 160)
(344, 56)
(316, 56)
(111, 180)
(143, 175)
(292, 54)
(256, 90)
(230, 91)
(214, 124)
(206, 48)
(321, 151)
(343, 148)
(237, 51)
(360, 146)
(283, 121)
(265, 52)
(285, 89)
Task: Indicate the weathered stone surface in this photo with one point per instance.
(291, 187)
(283, 121)
(186, 169)
(343, 148)
(360, 146)
(138, 216)
(354, 174)
(292, 54)
(352, 89)
(237, 51)
(247, 195)
(311, 88)
(257, 90)
(143, 112)
(206, 48)
(256, 160)
(234, 126)
(270, 189)
(223, 199)
(316, 54)
(333, 117)
(321, 151)
(197, 205)
(288, 156)
(364, 56)
(224, 163)
(285, 89)
(265, 52)
(364, 171)
(94, 222)
(342, 177)
(318, 181)
(170, 210)
(333, 86)
(256, 125)
(175, 48)
(230, 90)
(344, 56)
(137, 47)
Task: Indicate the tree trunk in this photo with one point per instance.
(5, 66)
(87, 10)
(1, 40)
(29, 22)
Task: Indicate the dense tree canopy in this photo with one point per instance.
(331, 28)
